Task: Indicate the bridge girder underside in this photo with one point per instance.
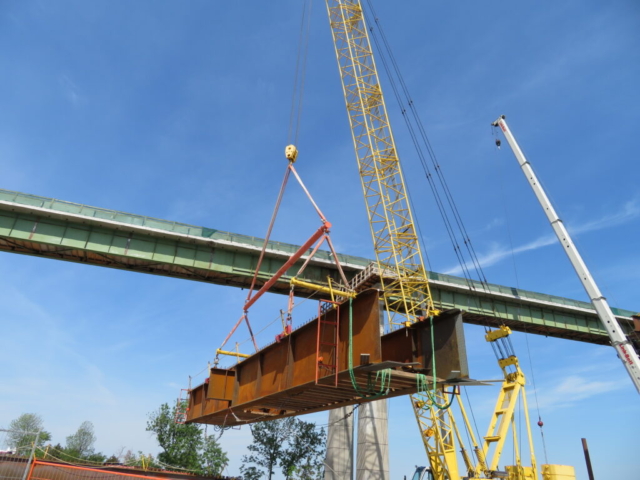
(64, 231)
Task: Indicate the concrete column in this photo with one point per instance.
(373, 443)
(339, 459)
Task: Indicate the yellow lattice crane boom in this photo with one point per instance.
(400, 263)
(404, 279)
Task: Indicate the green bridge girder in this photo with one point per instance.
(57, 229)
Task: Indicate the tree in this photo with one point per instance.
(23, 433)
(180, 442)
(213, 459)
(184, 445)
(290, 443)
(129, 458)
(302, 457)
(268, 440)
(81, 442)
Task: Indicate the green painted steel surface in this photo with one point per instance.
(52, 228)
(95, 213)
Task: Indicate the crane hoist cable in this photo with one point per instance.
(427, 143)
(517, 280)
(319, 237)
(421, 135)
(299, 77)
(420, 139)
(258, 265)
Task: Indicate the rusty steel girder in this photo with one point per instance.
(293, 376)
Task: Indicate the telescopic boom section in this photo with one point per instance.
(404, 280)
(620, 342)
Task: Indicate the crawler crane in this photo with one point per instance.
(399, 259)
(400, 263)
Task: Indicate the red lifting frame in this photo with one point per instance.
(322, 231)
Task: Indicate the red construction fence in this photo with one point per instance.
(14, 467)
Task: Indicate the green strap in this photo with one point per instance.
(384, 376)
(421, 380)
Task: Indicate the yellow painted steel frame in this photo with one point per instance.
(503, 417)
(406, 290)
(232, 354)
(437, 432)
(321, 288)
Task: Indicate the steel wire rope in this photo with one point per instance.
(296, 106)
(82, 466)
(259, 263)
(514, 443)
(274, 214)
(201, 371)
(173, 467)
(468, 434)
(425, 252)
(428, 175)
(295, 80)
(344, 417)
(98, 465)
(520, 302)
(473, 416)
(432, 185)
(441, 208)
(84, 462)
(448, 226)
(432, 155)
(300, 73)
(277, 318)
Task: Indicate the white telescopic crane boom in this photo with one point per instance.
(623, 346)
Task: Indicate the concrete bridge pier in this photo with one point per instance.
(373, 442)
(339, 459)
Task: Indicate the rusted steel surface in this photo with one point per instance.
(413, 344)
(280, 380)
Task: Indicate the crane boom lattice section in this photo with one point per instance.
(405, 286)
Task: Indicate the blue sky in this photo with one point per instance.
(180, 110)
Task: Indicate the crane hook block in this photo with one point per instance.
(291, 152)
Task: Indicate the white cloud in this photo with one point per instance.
(575, 388)
(629, 211)
(70, 90)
